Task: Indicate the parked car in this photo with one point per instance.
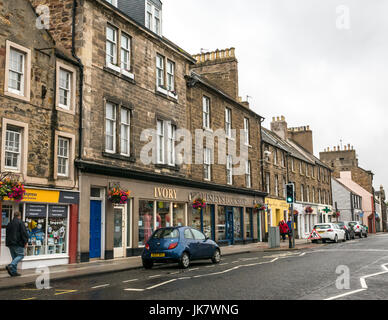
(349, 232)
(179, 245)
(330, 231)
(359, 230)
(365, 230)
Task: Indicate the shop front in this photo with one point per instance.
(110, 231)
(307, 218)
(50, 217)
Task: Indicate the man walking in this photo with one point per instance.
(16, 240)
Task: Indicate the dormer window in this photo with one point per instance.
(154, 18)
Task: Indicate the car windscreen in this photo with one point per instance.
(341, 224)
(352, 224)
(323, 226)
(166, 234)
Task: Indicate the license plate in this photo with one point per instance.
(158, 255)
(320, 232)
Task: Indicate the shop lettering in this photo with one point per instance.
(165, 193)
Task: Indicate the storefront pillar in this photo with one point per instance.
(215, 222)
(73, 234)
(135, 228)
(255, 225)
(1, 218)
(109, 231)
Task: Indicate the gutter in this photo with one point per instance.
(81, 82)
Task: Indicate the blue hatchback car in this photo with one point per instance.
(181, 245)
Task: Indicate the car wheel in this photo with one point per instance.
(360, 235)
(148, 264)
(336, 239)
(344, 240)
(366, 235)
(184, 262)
(324, 240)
(216, 256)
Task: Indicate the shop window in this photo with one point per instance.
(146, 221)
(196, 219)
(237, 226)
(163, 216)
(6, 218)
(47, 229)
(179, 214)
(95, 192)
(208, 221)
(221, 224)
(198, 235)
(248, 223)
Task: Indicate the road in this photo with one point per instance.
(299, 275)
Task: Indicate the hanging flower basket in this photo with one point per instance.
(12, 189)
(199, 204)
(260, 207)
(309, 210)
(118, 196)
(336, 214)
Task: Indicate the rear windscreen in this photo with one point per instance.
(322, 226)
(166, 234)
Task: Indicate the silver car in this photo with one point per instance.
(359, 229)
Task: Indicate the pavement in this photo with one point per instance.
(101, 267)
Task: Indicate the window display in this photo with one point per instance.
(6, 218)
(248, 223)
(163, 217)
(146, 221)
(46, 228)
(208, 221)
(196, 219)
(221, 224)
(179, 214)
(237, 223)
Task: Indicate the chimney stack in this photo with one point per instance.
(279, 126)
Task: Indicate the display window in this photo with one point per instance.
(7, 215)
(146, 221)
(47, 229)
(208, 221)
(179, 214)
(248, 223)
(237, 227)
(221, 224)
(163, 215)
(196, 219)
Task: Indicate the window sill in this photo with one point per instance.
(17, 96)
(230, 138)
(208, 130)
(122, 74)
(166, 94)
(166, 166)
(119, 157)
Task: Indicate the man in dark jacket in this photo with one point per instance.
(16, 240)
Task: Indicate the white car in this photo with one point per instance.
(330, 231)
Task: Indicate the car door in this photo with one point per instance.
(202, 245)
(190, 242)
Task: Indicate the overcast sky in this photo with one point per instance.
(322, 63)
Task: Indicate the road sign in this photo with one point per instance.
(314, 235)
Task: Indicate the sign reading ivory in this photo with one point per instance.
(165, 193)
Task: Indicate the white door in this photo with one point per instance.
(119, 232)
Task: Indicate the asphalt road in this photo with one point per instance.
(299, 275)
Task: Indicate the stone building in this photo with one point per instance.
(288, 158)
(345, 159)
(382, 199)
(39, 120)
(137, 104)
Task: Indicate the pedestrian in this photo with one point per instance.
(289, 223)
(284, 230)
(16, 240)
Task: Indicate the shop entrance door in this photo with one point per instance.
(119, 234)
(229, 226)
(95, 229)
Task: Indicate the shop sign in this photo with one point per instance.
(219, 199)
(165, 193)
(57, 211)
(49, 196)
(36, 210)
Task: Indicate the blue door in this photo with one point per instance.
(229, 226)
(95, 229)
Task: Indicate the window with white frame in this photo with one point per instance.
(13, 149)
(112, 2)
(248, 178)
(228, 122)
(246, 131)
(313, 196)
(160, 71)
(267, 183)
(307, 193)
(160, 141)
(125, 52)
(207, 164)
(110, 128)
(170, 76)
(275, 156)
(277, 185)
(125, 131)
(283, 160)
(319, 196)
(206, 112)
(65, 80)
(301, 193)
(300, 168)
(284, 188)
(153, 18)
(171, 144)
(111, 46)
(16, 72)
(63, 154)
(292, 164)
(229, 169)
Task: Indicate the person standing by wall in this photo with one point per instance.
(284, 230)
(16, 240)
